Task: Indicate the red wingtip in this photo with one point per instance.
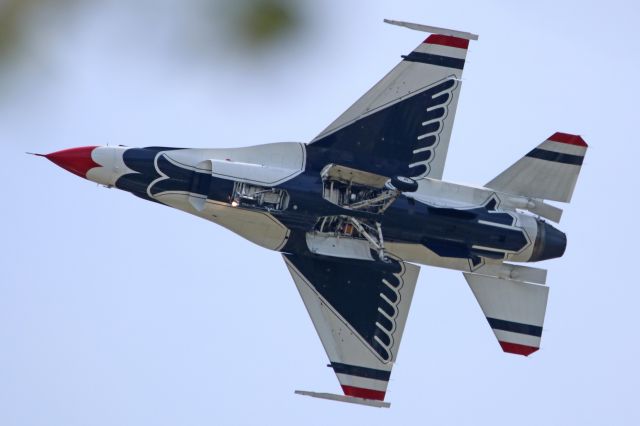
(445, 40)
(568, 139)
(514, 348)
(75, 160)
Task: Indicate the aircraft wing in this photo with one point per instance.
(402, 125)
(359, 309)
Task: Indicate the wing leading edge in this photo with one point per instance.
(359, 309)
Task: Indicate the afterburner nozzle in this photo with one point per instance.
(550, 243)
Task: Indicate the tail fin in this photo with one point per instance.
(548, 172)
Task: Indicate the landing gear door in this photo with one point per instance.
(356, 189)
(198, 190)
(337, 246)
(345, 174)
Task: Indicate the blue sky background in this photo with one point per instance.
(118, 311)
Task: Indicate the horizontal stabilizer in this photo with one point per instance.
(343, 398)
(510, 271)
(433, 30)
(515, 311)
(547, 211)
(548, 172)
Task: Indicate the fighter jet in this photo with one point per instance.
(358, 208)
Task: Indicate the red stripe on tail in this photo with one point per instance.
(363, 393)
(514, 348)
(567, 138)
(444, 40)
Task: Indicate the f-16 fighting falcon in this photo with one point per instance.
(358, 208)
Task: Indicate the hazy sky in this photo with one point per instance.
(117, 311)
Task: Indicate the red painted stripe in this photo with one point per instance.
(567, 138)
(514, 348)
(444, 40)
(363, 393)
(75, 160)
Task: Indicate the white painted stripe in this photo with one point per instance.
(435, 120)
(563, 148)
(425, 135)
(492, 249)
(438, 49)
(362, 382)
(428, 148)
(498, 225)
(384, 313)
(520, 339)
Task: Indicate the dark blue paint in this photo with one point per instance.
(431, 59)
(352, 288)
(354, 370)
(178, 179)
(142, 161)
(557, 157)
(383, 142)
(447, 248)
(515, 327)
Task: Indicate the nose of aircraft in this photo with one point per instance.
(75, 160)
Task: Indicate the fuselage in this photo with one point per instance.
(282, 198)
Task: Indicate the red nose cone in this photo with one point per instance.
(75, 160)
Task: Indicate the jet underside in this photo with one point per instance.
(358, 208)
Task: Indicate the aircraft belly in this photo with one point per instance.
(258, 227)
(355, 210)
(418, 253)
